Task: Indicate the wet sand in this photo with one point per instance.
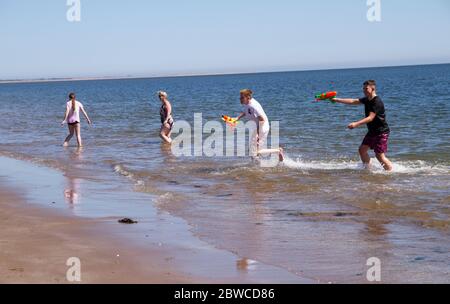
(39, 233)
(36, 244)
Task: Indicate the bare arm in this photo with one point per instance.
(364, 121)
(348, 101)
(240, 116)
(85, 115)
(65, 116)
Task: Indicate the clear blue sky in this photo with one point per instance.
(148, 38)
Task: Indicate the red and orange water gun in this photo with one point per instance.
(327, 96)
(232, 122)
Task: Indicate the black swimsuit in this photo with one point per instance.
(163, 114)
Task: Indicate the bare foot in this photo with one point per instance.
(66, 144)
(281, 155)
(367, 166)
(387, 167)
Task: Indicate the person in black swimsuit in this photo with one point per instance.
(166, 117)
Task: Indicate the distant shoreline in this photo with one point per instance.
(69, 79)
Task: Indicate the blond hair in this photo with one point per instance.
(247, 92)
(162, 93)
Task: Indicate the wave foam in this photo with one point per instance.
(404, 167)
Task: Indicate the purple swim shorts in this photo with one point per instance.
(378, 143)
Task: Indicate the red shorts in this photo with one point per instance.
(378, 143)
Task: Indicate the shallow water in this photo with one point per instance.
(319, 214)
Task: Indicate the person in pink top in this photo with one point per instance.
(72, 118)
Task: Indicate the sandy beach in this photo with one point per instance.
(36, 244)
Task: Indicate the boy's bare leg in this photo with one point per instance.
(364, 154)
(384, 161)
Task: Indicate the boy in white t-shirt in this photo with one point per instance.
(254, 111)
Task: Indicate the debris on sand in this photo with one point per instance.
(127, 221)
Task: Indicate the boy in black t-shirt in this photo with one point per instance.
(378, 136)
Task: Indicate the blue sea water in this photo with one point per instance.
(320, 212)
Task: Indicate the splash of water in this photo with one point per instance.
(403, 167)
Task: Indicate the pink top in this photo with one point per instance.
(74, 115)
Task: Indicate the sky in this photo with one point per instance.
(143, 38)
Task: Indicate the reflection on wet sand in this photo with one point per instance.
(71, 192)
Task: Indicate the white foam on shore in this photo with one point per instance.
(307, 166)
(404, 167)
(124, 172)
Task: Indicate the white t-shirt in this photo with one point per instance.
(254, 110)
(74, 114)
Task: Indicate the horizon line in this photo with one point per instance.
(68, 79)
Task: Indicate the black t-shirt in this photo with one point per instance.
(379, 125)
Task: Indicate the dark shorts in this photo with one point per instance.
(73, 123)
(378, 143)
